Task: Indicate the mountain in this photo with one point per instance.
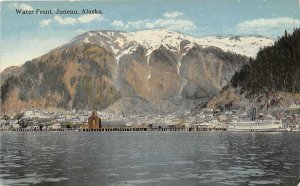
(99, 69)
(271, 80)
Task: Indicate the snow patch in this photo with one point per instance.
(149, 76)
(148, 61)
(153, 39)
(104, 35)
(248, 46)
(179, 74)
(86, 40)
(91, 34)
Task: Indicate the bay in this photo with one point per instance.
(149, 158)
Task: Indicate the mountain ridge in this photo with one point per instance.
(222, 42)
(95, 69)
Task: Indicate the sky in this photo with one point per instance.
(24, 37)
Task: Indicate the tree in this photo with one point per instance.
(23, 123)
(6, 117)
(19, 116)
(275, 68)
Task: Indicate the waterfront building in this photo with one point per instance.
(3, 122)
(222, 118)
(94, 122)
(56, 126)
(114, 124)
(15, 126)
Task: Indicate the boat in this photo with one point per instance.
(256, 126)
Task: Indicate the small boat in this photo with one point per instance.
(255, 126)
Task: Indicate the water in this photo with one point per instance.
(149, 158)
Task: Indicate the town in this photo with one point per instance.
(207, 119)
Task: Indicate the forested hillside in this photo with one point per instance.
(275, 68)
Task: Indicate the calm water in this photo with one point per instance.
(149, 158)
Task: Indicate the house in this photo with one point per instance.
(16, 126)
(56, 126)
(222, 118)
(94, 122)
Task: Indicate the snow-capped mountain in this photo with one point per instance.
(99, 68)
(153, 39)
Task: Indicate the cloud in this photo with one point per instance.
(45, 22)
(284, 21)
(139, 24)
(23, 6)
(169, 21)
(173, 14)
(172, 24)
(118, 23)
(72, 21)
(266, 26)
(65, 21)
(89, 18)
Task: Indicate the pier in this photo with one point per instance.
(118, 129)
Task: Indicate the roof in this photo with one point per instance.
(113, 123)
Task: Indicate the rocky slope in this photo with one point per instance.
(272, 101)
(98, 68)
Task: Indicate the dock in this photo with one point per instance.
(119, 129)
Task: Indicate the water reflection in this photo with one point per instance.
(149, 158)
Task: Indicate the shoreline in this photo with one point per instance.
(139, 130)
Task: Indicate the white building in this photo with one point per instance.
(56, 126)
(294, 106)
(15, 126)
(2, 122)
(35, 114)
(222, 118)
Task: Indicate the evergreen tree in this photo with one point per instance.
(275, 68)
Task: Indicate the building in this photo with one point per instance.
(56, 126)
(31, 114)
(94, 122)
(35, 114)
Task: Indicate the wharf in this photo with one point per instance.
(121, 129)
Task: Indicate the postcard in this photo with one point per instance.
(150, 92)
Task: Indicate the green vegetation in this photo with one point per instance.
(92, 94)
(5, 117)
(19, 116)
(8, 85)
(275, 68)
(29, 79)
(44, 78)
(70, 125)
(53, 82)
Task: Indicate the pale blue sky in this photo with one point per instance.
(24, 37)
